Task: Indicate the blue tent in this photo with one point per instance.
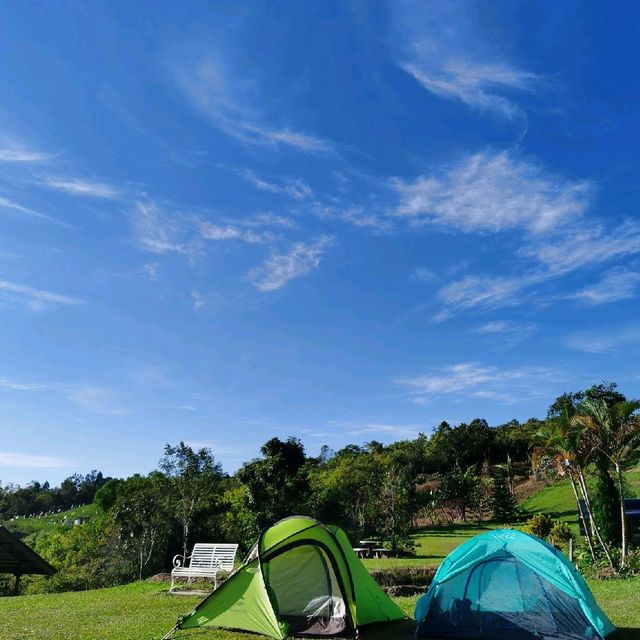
(508, 585)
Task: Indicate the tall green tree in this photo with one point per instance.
(347, 490)
(503, 504)
(195, 481)
(398, 506)
(277, 483)
(140, 515)
(570, 449)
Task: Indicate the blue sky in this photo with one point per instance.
(221, 222)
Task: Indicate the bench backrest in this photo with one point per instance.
(208, 555)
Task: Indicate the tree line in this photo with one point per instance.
(458, 472)
(36, 498)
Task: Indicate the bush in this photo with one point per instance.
(560, 533)
(539, 525)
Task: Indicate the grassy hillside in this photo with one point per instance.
(558, 501)
(28, 526)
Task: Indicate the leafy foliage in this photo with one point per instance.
(539, 525)
(503, 504)
(195, 480)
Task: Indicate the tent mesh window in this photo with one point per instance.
(503, 599)
(306, 592)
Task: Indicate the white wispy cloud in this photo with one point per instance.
(268, 219)
(479, 381)
(586, 246)
(359, 217)
(295, 188)
(479, 86)
(481, 292)
(95, 398)
(617, 284)
(158, 231)
(82, 187)
(33, 461)
(12, 152)
(228, 98)
(454, 56)
(600, 341)
(6, 203)
(35, 299)
(504, 327)
(574, 250)
(14, 385)
(217, 232)
(506, 332)
(492, 191)
(424, 275)
(391, 430)
(280, 268)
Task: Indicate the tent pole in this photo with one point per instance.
(166, 637)
(16, 586)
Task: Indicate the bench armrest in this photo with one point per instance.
(179, 560)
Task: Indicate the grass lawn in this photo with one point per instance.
(431, 546)
(145, 611)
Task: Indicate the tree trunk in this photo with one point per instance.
(585, 494)
(587, 533)
(623, 516)
(185, 536)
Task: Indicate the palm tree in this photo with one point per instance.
(616, 431)
(554, 444)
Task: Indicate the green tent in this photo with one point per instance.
(508, 585)
(301, 578)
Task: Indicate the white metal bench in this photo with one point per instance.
(205, 561)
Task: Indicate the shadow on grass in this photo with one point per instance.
(400, 630)
(420, 556)
(625, 633)
(456, 529)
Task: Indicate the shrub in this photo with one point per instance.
(560, 533)
(539, 525)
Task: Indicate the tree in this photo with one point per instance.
(460, 487)
(277, 484)
(616, 430)
(503, 504)
(194, 481)
(140, 515)
(570, 451)
(348, 489)
(572, 448)
(398, 506)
